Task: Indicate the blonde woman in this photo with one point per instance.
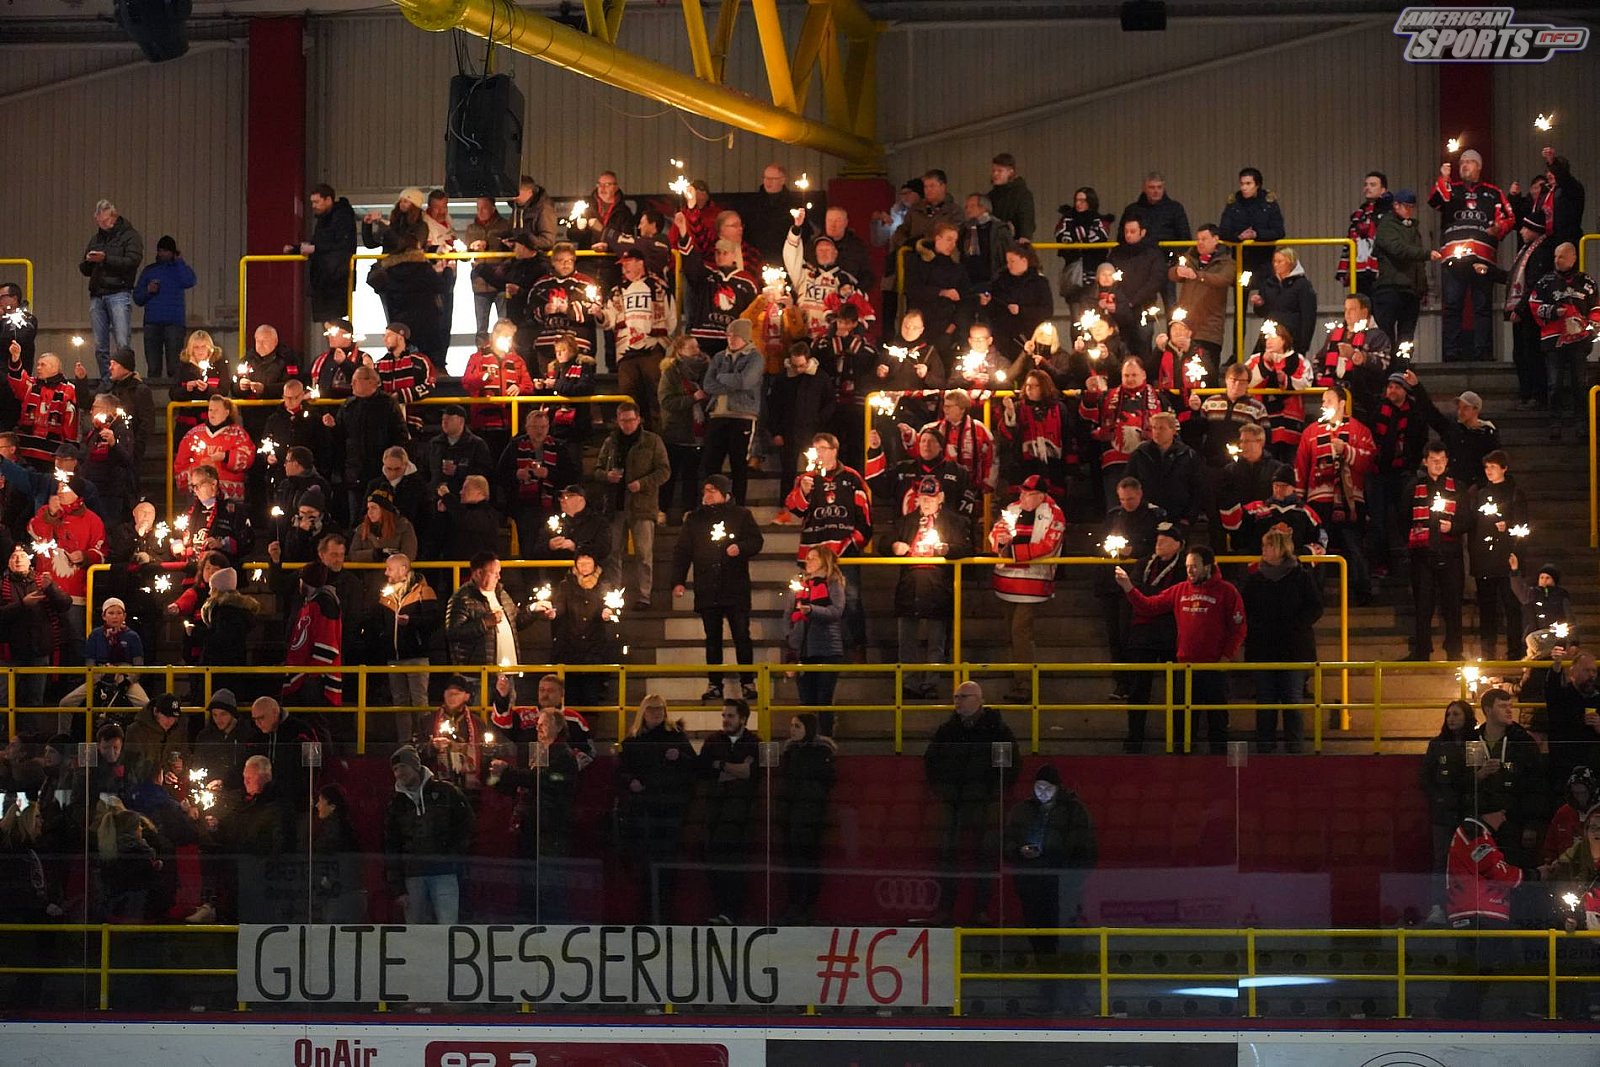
(816, 633)
(655, 782)
(201, 371)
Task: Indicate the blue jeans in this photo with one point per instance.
(1457, 284)
(1275, 689)
(111, 319)
(433, 898)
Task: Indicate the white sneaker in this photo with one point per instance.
(204, 915)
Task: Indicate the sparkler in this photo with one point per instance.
(1332, 325)
(162, 531)
(613, 600)
(973, 364)
(1269, 329)
(502, 344)
(1244, 279)
(1009, 516)
(1178, 315)
(899, 353)
(1453, 145)
(1115, 545)
(797, 584)
(1571, 900)
(488, 737)
(44, 548)
(883, 403)
(1233, 451)
(163, 583)
(447, 728)
(719, 531)
(542, 598)
(1116, 275)
(277, 512)
(1545, 123)
(1440, 504)
(202, 796)
(1471, 674)
(1194, 371)
(1361, 326)
(77, 341)
(390, 590)
(241, 371)
(680, 184)
(811, 459)
(316, 392)
(269, 447)
(802, 183)
(999, 376)
(63, 477)
(258, 574)
(1183, 261)
(591, 293)
(1561, 630)
(773, 277)
(1491, 508)
(1087, 320)
(181, 523)
(578, 208)
(1458, 251)
(1521, 529)
(17, 318)
(1404, 350)
(1145, 314)
(554, 523)
(928, 542)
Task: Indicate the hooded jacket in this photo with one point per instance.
(1402, 258)
(1260, 213)
(166, 305)
(721, 581)
(1291, 302)
(333, 240)
(427, 831)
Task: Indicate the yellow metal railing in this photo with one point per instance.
(244, 296)
(1583, 249)
(1243, 960)
(27, 274)
(513, 402)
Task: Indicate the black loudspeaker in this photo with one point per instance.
(483, 137)
(1144, 16)
(159, 27)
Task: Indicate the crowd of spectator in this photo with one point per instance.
(770, 350)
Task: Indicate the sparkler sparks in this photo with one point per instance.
(773, 277)
(974, 364)
(1116, 275)
(1087, 320)
(1545, 123)
(883, 403)
(1459, 251)
(1470, 674)
(162, 531)
(1178, 315)
(897, 352)
(1244, 279)
(17, 318)
(1009, 516)
(390, 590)
(1521, 529)
(277, 512)
(258, 574)
(1404, 350)
(802, 183)
(181, 523)
(1561, 630)
(554, 523)
(1269, 329)
(1571, 900)
(163, 583)
(269, 447)
(542, 598)
(77, 341)
(1453, 145)
(1490, 508)
(44, 548)
(1194, 371)
(614, 600)
(797, 584)
(1115, 545)
(719, 531)
(1440, 504)
(63, 477)
(1233, 451)
(811, 459)
(591, 293)
(578, 208)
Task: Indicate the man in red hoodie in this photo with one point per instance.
(1211, 627)
(68, 539)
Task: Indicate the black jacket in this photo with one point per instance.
(425, 833)
(661, 759)
(1173, 480)
(578, 634)
(1446, 779)
(1572, 742)
(223, 754)
(959, 760)
(1165, 220)
(808, 774)
(928, 592)
(1067, 838)
(365, 427)
(1259, 213)
(334, 237)
(1159, 635)
(801, 404)
(1144, 272)
(1290, 302)
(1519, 785)
(1489, 548)
(1281, 615)
(720, 580)
(553, 791)
(124, 250)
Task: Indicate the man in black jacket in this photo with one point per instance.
(368, 422)
(1513, 780)
(1170, 472)
(1572, 705)
(1143, 269)
(427, 832)
(111, 263)
(728, 761)
(971, 763)
(718, 540)
(333, 242)
(924, 596)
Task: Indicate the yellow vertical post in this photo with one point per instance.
(105, 967)
(1168, 672)
(1400, 973)
(166, 472)
(1344, 628)
(1316, 708)
(1250, 965)
(955, 1008)
(1105, 973)
(1188, 708)
(1550, 944)
(955, 622)
(1594, 473)
(622, 696)
(88, 597)
(361, 711)
(1377, 707)
(866, 438)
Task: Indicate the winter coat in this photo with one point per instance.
(365, 426)
(223, 754)
(333, 240)
(414, 293)
(110, 468)
(1259, 213)
(928, 592)
(133, 396)
(471, 643)
(1063, 833)
(223, 630)
(124, 250)
(807, 772)
(683, 418)
(1291, 302)
(959, 761)
(1030, 291)
(721, 581)
(589, 531)
(49, 414)
(1283, 614)
(166, 305)
(389, 640)
(818, 635)
(661, 759)
(1173, 480)
(981, 248)
(426, 833)
(1402, 258)
(1489, 548)
(1446, 779)
(368, 545)
(468, 452)
(800, 404)
(1572, 742)
(262, 826)
(579, 633)
(1012, 203)
(469, 528)
(615, 219)
(1164, 220)
(1205, 296)
(1144, 268)
(1519, 785)
(74, 529)
(146, 740)
(927, 275)
(535, 219)
(643, 460)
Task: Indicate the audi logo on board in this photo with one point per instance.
(906, 894)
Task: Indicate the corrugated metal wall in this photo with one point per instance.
(164, 142)
(381, 87)
(1521, 94)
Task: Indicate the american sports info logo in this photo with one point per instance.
(1482, 35)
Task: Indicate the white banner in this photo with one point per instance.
(747, 966)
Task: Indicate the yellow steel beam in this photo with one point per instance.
(614, 19)
(774, 53)
(547, 40)
(594, 13)
(727, 16)
(813, 34)
(694, 24)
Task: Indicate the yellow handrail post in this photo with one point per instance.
(1188, 708)
(105, 966)
(1105, 973)
(1550, 944)
(622, 701)
(1316, 708)
(244, 292)
(1034, 680)
(1250, 966)
(1583, 252)
(955, 623)
(172, 448)
(88, 597)
(1400, 973)
(361, 713)
(1377, 708)
(1344, 629)
(1167, 670)
(955, 1008)
(1241, 311)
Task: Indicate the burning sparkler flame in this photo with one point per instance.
(614, 600)
(554, 523)
(44, 548)
(802, 183)
(811, 459)
(1561, 630)
(1453, 145)
(163, 583)
(77, 341)
(1490, 508)
(883, 403)
(1440, 504)
(1194, 371)
(1571, 900)
(1115, 545)
(269, 447)
(258, 574)
(1244, 279)
(1178, 315)
(1269, 329)
(181, 523)
(797, 584)
(719, 531)
(1233, 451)
(590, 292)
(773, 277)
(578, 208)
(276, 512)
(1521, 529)
(1545, 123)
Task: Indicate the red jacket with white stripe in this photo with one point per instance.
(1210, 617)
(1116, 409)
(1336, 481)
(1478, 879)
(1035, 535)
(1473, 216)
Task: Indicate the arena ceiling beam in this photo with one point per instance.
(838, 41)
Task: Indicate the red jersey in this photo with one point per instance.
(1478, 879)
